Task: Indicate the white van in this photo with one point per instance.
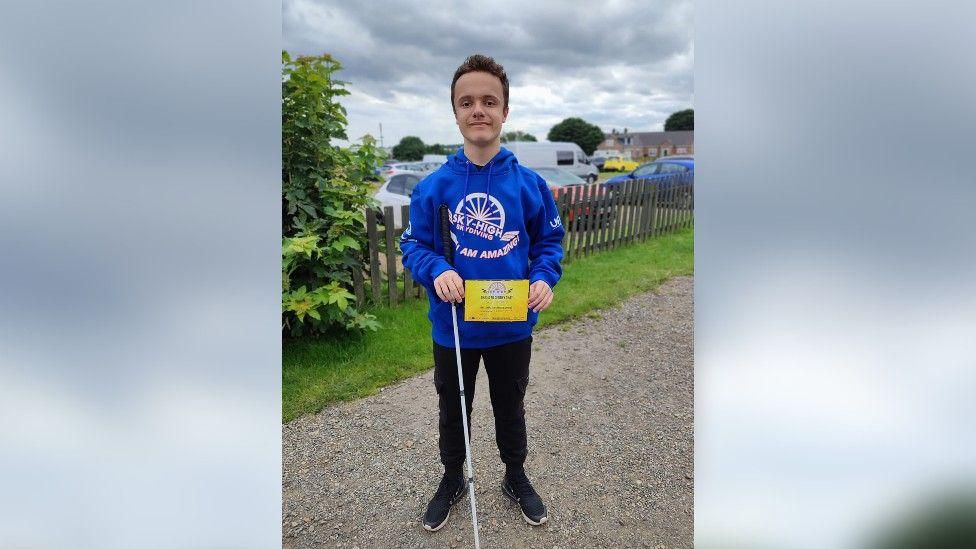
(559, 154)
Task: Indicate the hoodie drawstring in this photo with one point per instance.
(467, 174)
(488, 189)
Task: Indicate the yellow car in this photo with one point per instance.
(618, 164)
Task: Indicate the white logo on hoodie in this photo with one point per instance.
(484, 216)
(480, 215)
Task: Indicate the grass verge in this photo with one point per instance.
(319, 371)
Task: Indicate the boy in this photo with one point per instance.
(504, 226)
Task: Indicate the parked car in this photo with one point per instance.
(558, 179)
(405, 167)
(620, 164)
(556, 154)
(561, 181)
(667, 172)
(386, 166)
(598, 162)
(659, 169)
(396, 192)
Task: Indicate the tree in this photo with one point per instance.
(324, 194)
(681, 120)
(436, 148)
(579, 131)
(409, 148)
(517, 135)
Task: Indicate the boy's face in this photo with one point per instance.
(478, 107)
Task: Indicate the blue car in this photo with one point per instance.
(666, 173)
(659, 169)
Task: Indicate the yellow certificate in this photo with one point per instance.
(496, 300)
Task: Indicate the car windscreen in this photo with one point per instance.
(673, 168)
(647, 169)
(409, 182)
(397, 184)
(558, 177)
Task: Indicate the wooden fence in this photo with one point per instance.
(595, 219)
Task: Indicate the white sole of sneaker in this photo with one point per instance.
(533, 523)
(439, 526)
(512, 497)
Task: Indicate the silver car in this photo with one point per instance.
(405, 167)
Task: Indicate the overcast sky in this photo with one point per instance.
(616, 64)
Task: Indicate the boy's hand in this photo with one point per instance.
(540, 296)
(449, 286)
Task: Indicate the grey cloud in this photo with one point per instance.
(414, 47)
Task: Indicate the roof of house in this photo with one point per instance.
(652, 139)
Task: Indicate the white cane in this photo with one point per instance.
(449, 255)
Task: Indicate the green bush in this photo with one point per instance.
(324, 195)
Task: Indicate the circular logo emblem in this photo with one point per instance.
(482, 212)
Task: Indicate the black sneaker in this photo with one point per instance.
(450, 491)
(518, 488)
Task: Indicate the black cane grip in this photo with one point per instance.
(446, 234)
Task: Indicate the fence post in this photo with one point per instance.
(642, 210)
(583, 219)
(374, 255)
(648, 198)
(668, 205)
(577, 206)
(634, 211)
(618, 200)
(686, 202)
(672, 220)
(604, 217)
(676, 201)
(391, 273)
(357, 282)
(674, 204)
(654, 213)
(592, 221)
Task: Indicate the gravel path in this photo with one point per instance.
(610, 419)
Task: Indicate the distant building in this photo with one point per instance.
(648, 144)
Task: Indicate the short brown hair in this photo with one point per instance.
(481, 63)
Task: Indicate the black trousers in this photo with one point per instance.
(508, 376)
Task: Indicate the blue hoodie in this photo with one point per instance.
(512, 230)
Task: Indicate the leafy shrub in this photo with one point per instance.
(324, 194)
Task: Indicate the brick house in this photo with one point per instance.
(648, 144)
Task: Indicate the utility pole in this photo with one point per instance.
(381, 135)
